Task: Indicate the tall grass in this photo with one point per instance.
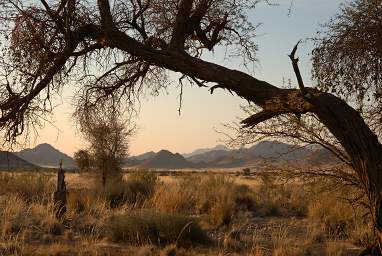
(215, 198)
(133, 190)
(147, 227)
(29, 186)
(266, 218)
(28, 220)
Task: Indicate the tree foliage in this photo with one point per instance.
(347, 58)
(107, 133)
(83, 159)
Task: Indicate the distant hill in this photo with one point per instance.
(266, 150)
(205, 150)
(144, 156)
(265, 153)
(278, 150)
(167, 160)
(322, 156)
(9, 161)
(46, 155)
(209, 156)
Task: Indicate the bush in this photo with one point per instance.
(219, 199)
(280, 200)
(140, 186)
(135, 190)
(246, 171)
(83, 159)
(336, 219)
(178, 198)
(85, 201)
(147, 227)
(216, 198)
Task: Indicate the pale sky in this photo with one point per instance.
(160, 126)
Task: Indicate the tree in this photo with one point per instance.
(107, 133)
(83, 159)
(134, 42)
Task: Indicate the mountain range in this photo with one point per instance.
(205, 150)
(269, 153)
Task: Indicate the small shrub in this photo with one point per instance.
(57, 229)
(220, 209)
(246, 171)
(245, 197)
(135, 190)
(140, 186)
(147, 227)
(88, 226)
(176, 199)
(280, 200)
(335, 218)
(83, 200)
(215, 197)
(220, 199)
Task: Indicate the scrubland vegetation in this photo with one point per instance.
(193, 214)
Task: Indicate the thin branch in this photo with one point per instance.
(296, 68)
(88, 49)
(181, 93)
(55, 17)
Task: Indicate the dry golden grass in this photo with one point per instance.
(216, 199)
(191, 214)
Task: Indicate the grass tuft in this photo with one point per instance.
(147, 227)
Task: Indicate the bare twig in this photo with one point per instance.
(296, 68)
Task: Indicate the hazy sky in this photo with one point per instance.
(160, 126)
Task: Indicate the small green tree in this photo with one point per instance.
(83, 159)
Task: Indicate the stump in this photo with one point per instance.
(60, 193)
